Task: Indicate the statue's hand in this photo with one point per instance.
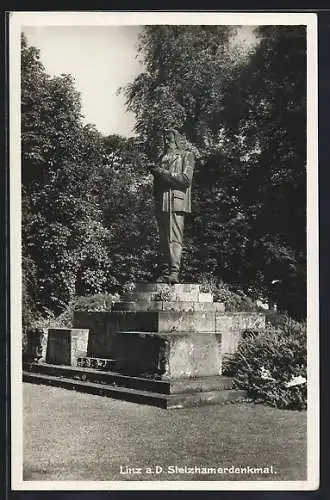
(156, 171)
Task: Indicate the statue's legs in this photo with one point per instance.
(164, 254)
(175, 243)
(170, 241)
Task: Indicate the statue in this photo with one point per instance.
(172, 193)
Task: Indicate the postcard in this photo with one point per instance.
(164, 251)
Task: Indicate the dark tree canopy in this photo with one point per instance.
(245, 112)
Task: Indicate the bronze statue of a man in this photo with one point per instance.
(172, 192)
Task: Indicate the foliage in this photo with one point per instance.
(272, 365)
(64, 239)
(208, 283)
(235, 301)
(99, 302)
(165, 294)
(127, 203)
(245, 113)
(185, 71)
(266, 111)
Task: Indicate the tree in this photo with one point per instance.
(126, 198)
(244, 111)
(269, 112)
(64, 240)
(186, 67)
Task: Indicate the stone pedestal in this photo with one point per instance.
(166, 355)
(166, 331)
(65, 346)
(158, 330)
(161, 344)
(36, 348)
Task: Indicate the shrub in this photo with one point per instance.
(208, 283)
(235, 301)
(98, 302)
(271, 365)
(234, 298)
(166, 294)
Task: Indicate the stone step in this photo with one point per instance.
(170, 295)
(159, 305)
(109, 378)
(162, 291)
(160, 287)
(157, 321)
(170, 401)
(173, 386)
(65, 345)
(147, 321)
(123, 393)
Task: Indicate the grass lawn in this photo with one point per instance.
(74, 436)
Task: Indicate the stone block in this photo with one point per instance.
(209, 306)
(139, 296)
(159, 305)
(102, 323)
(169, 295)
(184, 306)
(193, 355)
(36, 348)
(187, 296)
(223, 322)
(232, 325)
(159, 287)
(240, 321)
(196, 321)
(205, 297)
(162, 291)
(65, 346)
(151, 305)
(170, 356)
(199, 384)
(162, 400)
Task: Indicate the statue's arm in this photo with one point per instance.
(177, 180)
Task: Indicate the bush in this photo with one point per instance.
(234, 298)
(271, 365)
(98, 302)
(235, 301)
(208, 282)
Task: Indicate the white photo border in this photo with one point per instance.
(16, 22)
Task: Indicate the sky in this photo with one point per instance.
(101, 59)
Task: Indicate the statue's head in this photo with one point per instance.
(172, 138)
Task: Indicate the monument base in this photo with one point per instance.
(167, 394)
(167, 355)
(161, 345)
